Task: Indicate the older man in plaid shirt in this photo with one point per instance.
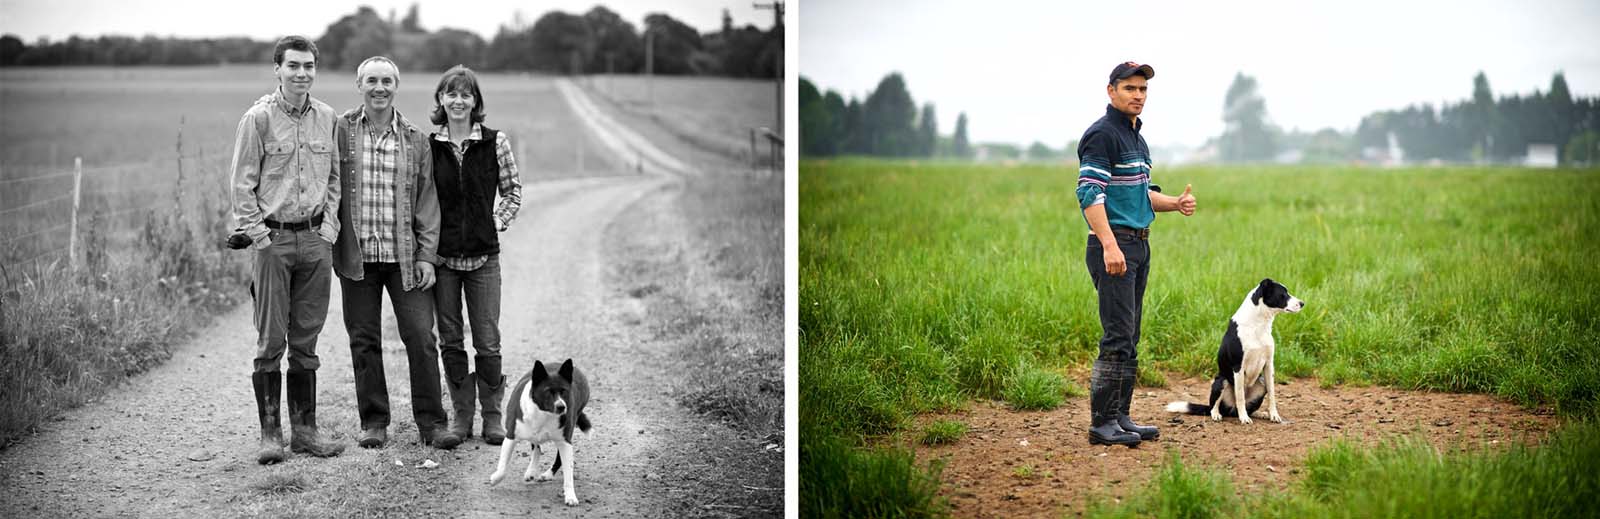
(390, 244)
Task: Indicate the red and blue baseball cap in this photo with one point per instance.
(1129, 69)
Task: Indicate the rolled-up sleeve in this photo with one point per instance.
(1094, 169)
(510, 182)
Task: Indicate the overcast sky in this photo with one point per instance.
(58, 19)
(1026, 71)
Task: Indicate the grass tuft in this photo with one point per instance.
(1033, 389)
(943, 432)
(840, 481)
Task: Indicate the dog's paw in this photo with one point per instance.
(1216, 417)
(547, 476)
(494, 479)
(1244, 418)
(1275, 418)
(572, 500)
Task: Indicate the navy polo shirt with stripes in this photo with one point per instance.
(1114, 170)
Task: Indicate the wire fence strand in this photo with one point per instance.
(67, 196)
(15, 239)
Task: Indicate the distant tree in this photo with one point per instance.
(562, 43)
(412, 22)
(839, 122)
(1582, 149)
(1481, 116)
(1039, 152)
(1559, 107)
(816, 124)
(674, 44)
(927, 131)
(353, 39)
(11, 48)
(616, 41)
(510, 49)
(888, 120)
(1247, 136)
(960, 144)
(450, 47)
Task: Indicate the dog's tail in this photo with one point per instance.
(1188, 408)
(583, 422)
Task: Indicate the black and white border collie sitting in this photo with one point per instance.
(1244, 362)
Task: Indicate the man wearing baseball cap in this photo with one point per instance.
(1119, 203)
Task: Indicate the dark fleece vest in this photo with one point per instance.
(466, 197)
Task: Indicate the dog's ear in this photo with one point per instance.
(566, 370)
(1261, 291)
(539, 374)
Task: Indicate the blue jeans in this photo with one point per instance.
(292, 276)
(1121, 298)
(481, 290)
(413, 312)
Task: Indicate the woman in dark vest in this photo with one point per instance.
(471, 164)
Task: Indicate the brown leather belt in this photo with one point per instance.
(1143, 234)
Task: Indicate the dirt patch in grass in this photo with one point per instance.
(1040, 464)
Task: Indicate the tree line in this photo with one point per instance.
(887, 124)
(1482, 128)
(597, 41)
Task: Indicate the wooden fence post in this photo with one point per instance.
(77, 192)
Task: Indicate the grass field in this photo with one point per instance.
(925, 285)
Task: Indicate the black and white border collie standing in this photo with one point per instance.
(546, 407)
(1244, 362)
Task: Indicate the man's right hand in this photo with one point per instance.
(1116, 265)
(239, 240)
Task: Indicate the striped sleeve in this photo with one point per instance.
(1094, 170)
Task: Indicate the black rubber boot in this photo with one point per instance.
(463, 396)
(269, 388)
(1105, 399)
(1130, 375)
(303, 417)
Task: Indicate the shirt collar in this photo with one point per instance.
(283, 102)
(442, 132)
(1117, 116)
(394, 122)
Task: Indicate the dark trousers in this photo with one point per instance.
(1121, 297)
(413, 312)
(291, 279)
(481, 290)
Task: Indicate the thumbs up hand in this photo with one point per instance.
(1186, 201)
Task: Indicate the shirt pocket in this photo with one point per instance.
(321, 158)
(279, 155)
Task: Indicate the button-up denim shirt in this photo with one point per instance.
(283, 167)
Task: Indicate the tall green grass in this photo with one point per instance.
(1406, 477)
(923, 285)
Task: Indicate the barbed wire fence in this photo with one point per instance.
(50, 211)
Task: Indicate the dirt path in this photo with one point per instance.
(1040, 464)
(177, 441)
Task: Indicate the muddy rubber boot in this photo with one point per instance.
(490, 391)
(303, 417)
(268, 387)
(1105, 395)
(1130, 375)
(463, 392)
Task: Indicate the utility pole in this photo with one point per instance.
(777, 23)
